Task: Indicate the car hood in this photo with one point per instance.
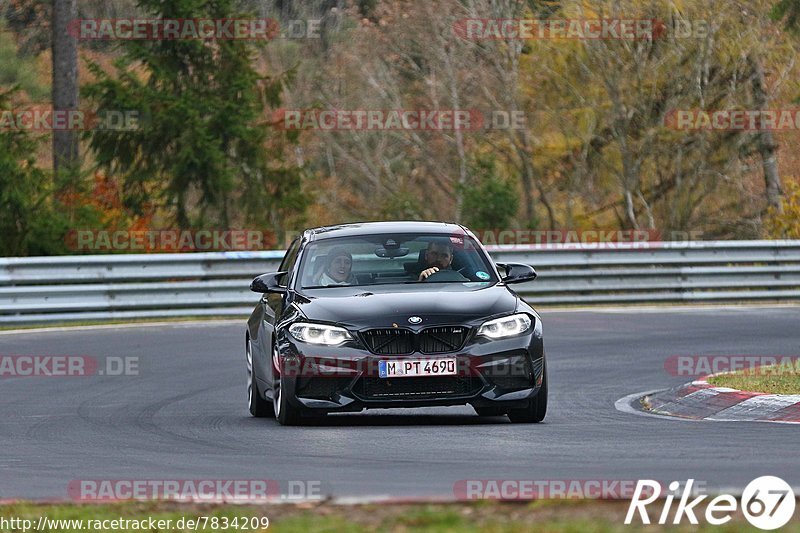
(375, 306)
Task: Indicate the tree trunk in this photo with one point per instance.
(65, 81)
(529, 181)
(765, 142)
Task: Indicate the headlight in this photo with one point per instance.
(507, 326)
(319, 334)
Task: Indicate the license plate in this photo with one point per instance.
(406, 368)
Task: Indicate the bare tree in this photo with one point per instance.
(65, 81)
(765, 142)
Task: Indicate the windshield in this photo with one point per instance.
(382, 259)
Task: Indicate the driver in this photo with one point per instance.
(338, 268)
(438, 256)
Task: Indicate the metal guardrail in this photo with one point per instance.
(108, 287)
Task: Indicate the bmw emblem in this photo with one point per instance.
(414, 319)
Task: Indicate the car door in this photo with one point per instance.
(271, 307)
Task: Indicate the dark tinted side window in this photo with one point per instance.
(289, 259)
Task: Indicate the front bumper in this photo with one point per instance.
(490, 373)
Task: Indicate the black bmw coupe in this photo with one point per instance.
(393, 314)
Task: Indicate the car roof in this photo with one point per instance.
(371, 228)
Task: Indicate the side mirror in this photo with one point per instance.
(268, 283)
(517, 272)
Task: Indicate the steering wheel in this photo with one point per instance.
(446, 275)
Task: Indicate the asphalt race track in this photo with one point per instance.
(185, 417)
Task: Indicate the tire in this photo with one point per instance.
(537, 406)
(258, 406)
(285, 413)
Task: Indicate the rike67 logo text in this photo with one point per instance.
(767, 502)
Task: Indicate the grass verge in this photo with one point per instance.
(772, 379)
(542, 515)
